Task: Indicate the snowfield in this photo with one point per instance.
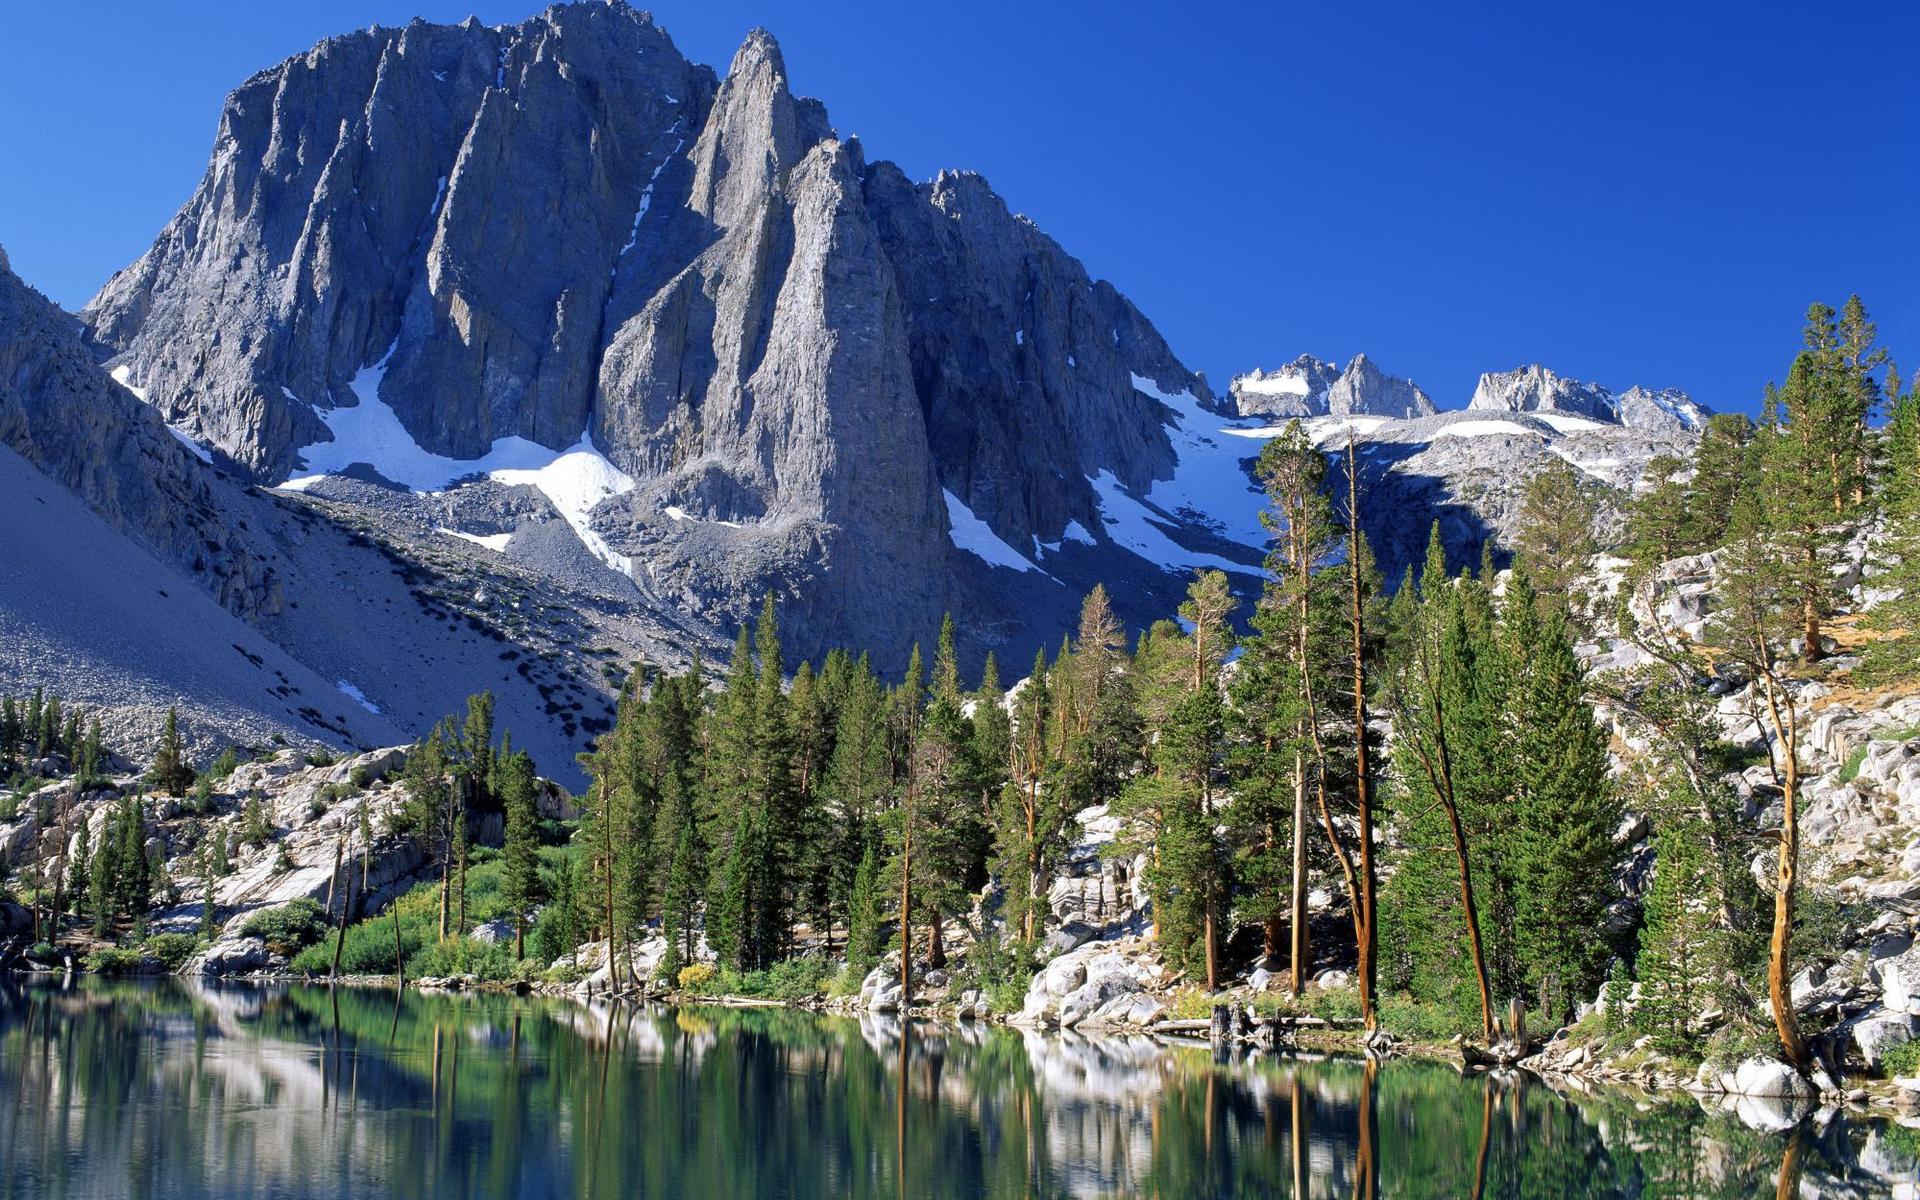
(977, 538)
(573, 480)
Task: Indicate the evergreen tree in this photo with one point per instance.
(1034, 830)
(858, 784)
(1555, 526)
(1660, 518)
(171, 772)
(864, 913)
(1680, 942)
(79, 868)
(10, 727)
(92, 756)
(520, 883)
(428, 811)
(34, 726)
(48, 735)
(1559, 857)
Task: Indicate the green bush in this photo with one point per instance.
(42, 952)
(319, 758)
(173, 949)
(115, 960)
(465, 956)
(290, 928)
(1902, 1060)
(1418, 1021)
(361, 778)
(224, 765)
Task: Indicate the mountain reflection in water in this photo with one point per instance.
(172, 1089)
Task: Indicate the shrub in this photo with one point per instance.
(224, 765)
(697, 976)
(173, 949)
(319, 758)
(1418, 1021)
(42, 952)
(115, 960)
(361, 778)
(290, 928)
(1902, 1060)
(465, 956)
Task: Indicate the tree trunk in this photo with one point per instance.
(1365, 929)
(1298, 906)
(906, 919)
(1780, 946)
(340, 937)
(1440, 775)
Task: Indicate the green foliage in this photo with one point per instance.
(172, 949)
(171, 772)
(116, 960)
(697, 977)
(1901, 1061)
(489, 961)
(224, 764)
(289, 928)
(319, 758)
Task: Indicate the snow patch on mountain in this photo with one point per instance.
(370, 434)
(977, 538)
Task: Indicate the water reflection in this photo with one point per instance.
(169, 1089)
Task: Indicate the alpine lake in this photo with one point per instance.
(163, 1088)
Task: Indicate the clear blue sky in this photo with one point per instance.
(1631, 193)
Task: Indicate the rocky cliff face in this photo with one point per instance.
(1307, 387)
(62, 414)
(1535, 389)
(561, 235)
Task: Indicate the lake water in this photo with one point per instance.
(167, 1089)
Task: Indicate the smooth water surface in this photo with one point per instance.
(169, 1089)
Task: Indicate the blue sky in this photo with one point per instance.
(1632, 193)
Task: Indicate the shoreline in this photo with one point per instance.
(1589, 1074)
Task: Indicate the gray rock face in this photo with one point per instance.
(563, 230)
(63, 415)
(1308, 387)
(1535, 389)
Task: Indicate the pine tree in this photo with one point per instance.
(1660, 516)
(255, 829)
(1556, 526)
(1034, 829)
(864, 913)
(34, 726)
(428, 811)
(1895, 653)
(92, 756)
(1764, 597)
(207, 909)
(1559, 855)
(859, 781)
(520, 883)
(79, 868)
(48, 735)
(9, 732)
(171, 772)
(1680, 942)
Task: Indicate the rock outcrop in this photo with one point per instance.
(1535, 389)
(1308, 387)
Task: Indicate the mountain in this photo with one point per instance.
(143, 577)
(1308, 387)
(733, 354)
(1466, 469)
(1535, 389)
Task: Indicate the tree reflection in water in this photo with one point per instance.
(170, 1089)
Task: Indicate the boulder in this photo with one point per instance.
(1068, 937)
(494, 932)
(1771, 1078)
(236, 957)
(1877, 1031)
(1900, 981)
